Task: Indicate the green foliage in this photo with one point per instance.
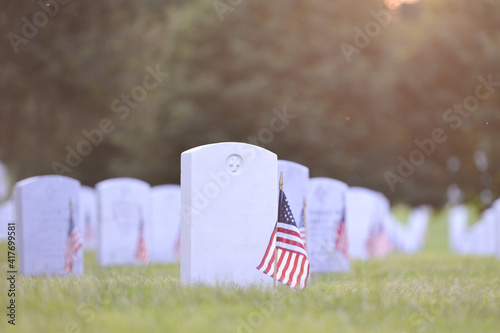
(354, 119)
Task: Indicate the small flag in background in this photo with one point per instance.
(89, 233)
(341, 243)
(177, 246)
(378, 244)
(142, 249)
(292, 261)
(73, 242)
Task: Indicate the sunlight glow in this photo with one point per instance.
(395, 4)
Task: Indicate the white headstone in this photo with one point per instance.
(474, 244)
(47, 214)
(496, 207)
(124, 212)
(488, 220)
(419, 222)
(457, 228)
(366, 223)
(382, 237)
(325, 210)
(4, 182)
(229, 201)
(408, 237)
(479, 239)
(88, 217)
(166, 220)
(295, 180)
(7, 215)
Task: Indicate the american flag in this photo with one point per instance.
(73, 243)
(177, 246)
(89, 233)
(292, 260)
(378, 244)
(341, 243)
(142, 249)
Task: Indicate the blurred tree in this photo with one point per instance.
(361, 84)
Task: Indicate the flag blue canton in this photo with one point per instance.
(285, 213)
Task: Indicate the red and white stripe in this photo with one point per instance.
(142, 249)
(341, 243)
(292, 260)
(73, 245)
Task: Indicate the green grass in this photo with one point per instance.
(434, 291)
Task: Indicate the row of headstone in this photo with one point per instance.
(229, 196)
(126, 220)
(137, 223)
(376, 232)
(229, 209)
(482, 238)
(409, 238)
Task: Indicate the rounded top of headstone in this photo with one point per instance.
(288, 164)
(43, 179)
(166, 188)
(242, 147)
(234, 157)
(328, 182)
(363, 191)
(383, 199)
(488, 214)
(121, 181)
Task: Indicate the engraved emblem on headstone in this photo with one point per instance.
(320, 194)
(234, 164)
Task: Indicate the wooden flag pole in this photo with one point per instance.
(276, 235)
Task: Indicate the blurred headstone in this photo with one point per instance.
(366, 223)
(496, 207)
(166, 221)
(295, 179)
(488, 220)
(7, 216)
(4, 182)
(88, 217)
(457, 228)
(327, 244)
(419, 222)
(124, 221)
(229, 200)
(48, 226)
